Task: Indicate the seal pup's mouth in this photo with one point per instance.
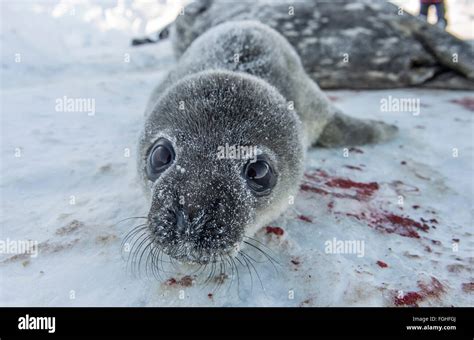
(193, 239)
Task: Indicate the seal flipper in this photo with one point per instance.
(343, 130)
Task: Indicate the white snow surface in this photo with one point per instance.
(80, 158)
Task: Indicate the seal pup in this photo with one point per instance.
(358, 44)
(240, 83)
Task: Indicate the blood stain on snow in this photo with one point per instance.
(408, 299)
(433, 289)
(275, 230)
(305, 218)
(363, 189)
(468, 287)
(320, 182)
(392, 223)
(185, 281)
(382, 264)
(403, 226)
(466, 102)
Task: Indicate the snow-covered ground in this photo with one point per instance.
(68, 179)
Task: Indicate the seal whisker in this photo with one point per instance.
(237, 272)
(130, 234)
(260, 243)
(270, 259)
(133, 241)
(138, 251)
(255, 270)
(131, 218)
(226, 258)
(248, 269)
(154, 263)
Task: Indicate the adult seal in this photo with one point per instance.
(359, 44)
(239, 84)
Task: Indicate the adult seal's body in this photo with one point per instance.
(345, 44)
(239, 84)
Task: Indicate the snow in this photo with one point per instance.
(75, 182)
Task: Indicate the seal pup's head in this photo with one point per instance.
(221, 155)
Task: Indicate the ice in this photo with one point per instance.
(75, 181)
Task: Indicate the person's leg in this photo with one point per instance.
(440, 13)
(424, 11)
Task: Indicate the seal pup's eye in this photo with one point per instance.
(260, 176)
(161, 156)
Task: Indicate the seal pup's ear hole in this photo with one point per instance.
(160, 157)
(260, 176)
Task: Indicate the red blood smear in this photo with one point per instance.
(185, 281)
(331, 205)
(468, 287)
(305, 218)
(433, 289)
(391, 223)
(382, 264)
(363, 189)
(316, 175)
(307, 187)
(171, 282)
(209, 296)
(320, 182)
(352, 167)
(356, 150)
(275, 230)
(405, 226)
(466, 102)
(409, 299)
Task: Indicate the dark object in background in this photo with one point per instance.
(162, 35)
(142, 41)
(351, 44)
(440, 11)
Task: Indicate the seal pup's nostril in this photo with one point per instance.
(181, 223)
